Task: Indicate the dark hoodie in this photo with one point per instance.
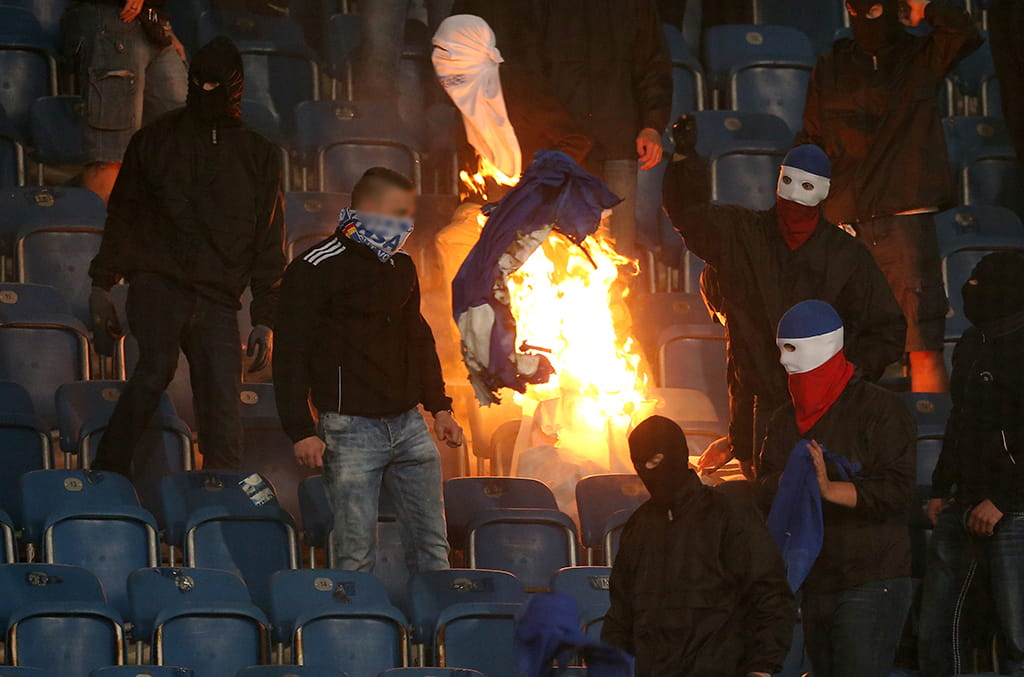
(198, 199)
(698, 586)
(872, 105)
(983, 449)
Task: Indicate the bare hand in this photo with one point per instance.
(984, 518)
(818, 457)
(914, 13)
(447, 429)
(309, 452)
(131, 10)
(648, 148)
(715, 456)
(935, 508)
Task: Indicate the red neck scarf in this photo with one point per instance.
(796, 221)
(815, 391)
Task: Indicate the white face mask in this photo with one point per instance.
(801, 187)
(800, 355)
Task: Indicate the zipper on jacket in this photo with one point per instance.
(874, 61)
(213, 134)
(1006, 447)
(339, 389)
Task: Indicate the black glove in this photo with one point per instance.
(105, 323)
(684, 135)
(260, 344)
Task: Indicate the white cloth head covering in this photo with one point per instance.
(466, 62)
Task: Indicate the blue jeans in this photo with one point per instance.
(955, 559)
(855, 632)
(398, 454)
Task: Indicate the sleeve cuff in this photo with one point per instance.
(298, 434)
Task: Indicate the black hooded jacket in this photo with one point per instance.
(198, 199)
(876, 115)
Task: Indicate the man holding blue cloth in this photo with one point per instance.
(857, 441)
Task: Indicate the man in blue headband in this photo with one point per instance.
(351, 341)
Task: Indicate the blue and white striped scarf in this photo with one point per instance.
(385, 235)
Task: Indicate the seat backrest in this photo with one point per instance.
(928, 451)
(311, 217)
(84, 407)
(8, 554)
(746, 179)
(693, 357)
(819, 21)
(181, 494)
(479, 637)
(216, 641)
(723, 132)
(257, 115)
(432, 672)
(22, 584)
(58, 257)
(430, 592)
(322, 123)
(971, 72)
(613, 534)
(589, 586)
(15, 400)
(24, 444)
(289, 671)
(58, 130)
(466, 498)
(306, 591)
(970, 137)
(26, 69)
(33, 207)
(598, 496)
(729, 48)
(141, 671)
(18, 671)
(343, 163)
(253, 31)
(530, 543)
(930, 411)
(152, 590)
(316, 510)
(44, 492)
(344, 32)
(35, 631)
(961, 227)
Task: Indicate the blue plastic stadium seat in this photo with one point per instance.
(693, 357)
(289, 671)
(317, 519)
(930, 412)
(181, 494)
(12, 161)
(41, 344)
(302, 591)
(687, 75)
(589, 585)
(24, 443)
(974, 76)
(613, 534)
(44, 492)
(599, 496)
(8, 552)
(27, 69)
(259, 117)
(141, 671)
(152, 590)
(478, 637)
(342, 139)
(527, 542)
(928, 450)
(466, 498)
(9, 671)
(34, 207)
(344, 32)
(434, 672)
(48, 14)
(42, 605)
(58, 130)
(982, 155)
(817, 20)
(653, 313)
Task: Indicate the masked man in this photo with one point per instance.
(857, 593)
(977, 503)
(352, 341)
(194, 218)
(766, 261)
(872, 106)
(698, 587)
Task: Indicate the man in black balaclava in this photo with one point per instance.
(977, 503)
(698, 586)
(872, 105)
(194, 218)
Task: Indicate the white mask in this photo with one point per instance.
(801, 187)
(800, 355)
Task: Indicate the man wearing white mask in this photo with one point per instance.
(352, 342)
(767, 261)
(858, 441)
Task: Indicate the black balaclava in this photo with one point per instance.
(659, 435)
(874, 34)
(216, 61)
(994, 291)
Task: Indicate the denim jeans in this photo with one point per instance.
(855, 632)
(955, 559)
(396, 453)
(125, 79)
(620, 176)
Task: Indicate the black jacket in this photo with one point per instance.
(870, 426)
(201, 206)
(982, 454)
(877, 118)
(760, 278)
(700, 590)
(350, 337)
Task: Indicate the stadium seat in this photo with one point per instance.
(289, 671)
(48, 14)
(816, 20)
(8, 553)
(761, 69)
(928, 450)
(27, 68)
(34, 207)
(311, 217)
(599, 496)
(344, 32)
(58, 130)
(317, 519)
(259, 117)
(930, 411)
(435, 672)
(42, 346)
(42, 605)
(466, 498)
(8, 671)
(141, 671)
(431, 592)
(613, 534)
(185, 20)
(24, 443)
(66, 491)
(693, 357)
(84, 410)
(528, 542)
(342, 139)
(687, 75)
(975, 76)
(589, 585)
(152, 590)
(12, 161)
(181, 494)
(983, 158)
(303, 591)
(478, 637)
(653, 313)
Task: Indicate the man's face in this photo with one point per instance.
(392, 202)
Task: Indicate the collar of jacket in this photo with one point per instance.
(362, 249)
(867, 58)
(1003, 326)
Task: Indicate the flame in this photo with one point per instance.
(476, 183)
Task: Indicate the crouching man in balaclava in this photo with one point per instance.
(766, 261)
(698, 587)
(859, 441)
(977, 503)
(194, 218)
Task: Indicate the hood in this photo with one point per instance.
(672, 476)
(875, 34)
(216, 61)
(994, 294)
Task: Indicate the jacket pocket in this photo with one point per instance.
(111, 99)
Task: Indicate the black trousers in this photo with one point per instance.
(165, 317)
(1006, 22)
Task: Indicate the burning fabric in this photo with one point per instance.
(555, 195)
